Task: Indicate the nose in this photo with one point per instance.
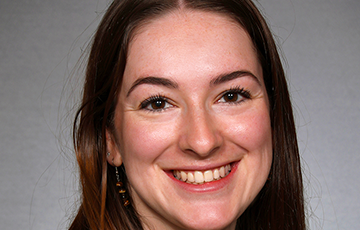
(200, 134)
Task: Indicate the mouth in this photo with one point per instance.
(201, 177)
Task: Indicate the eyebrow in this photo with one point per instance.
(153, 81)
(230, 76)
(171, 84)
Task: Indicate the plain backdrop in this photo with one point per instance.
(42, 40)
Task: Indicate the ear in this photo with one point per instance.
(114, 158)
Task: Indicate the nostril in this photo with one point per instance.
(202, 152)
(203, 143)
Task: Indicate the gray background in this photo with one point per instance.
(41, 41)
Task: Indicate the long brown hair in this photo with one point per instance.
(279, 205)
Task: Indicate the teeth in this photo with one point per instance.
(222, 171)
(216, 174)
(190, 178)
(183, 176)
(208, 176)
(198, 177)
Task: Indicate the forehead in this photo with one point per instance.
(182, 38)
(185, 20)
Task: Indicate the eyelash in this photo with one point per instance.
(245, 94)
(153, 99)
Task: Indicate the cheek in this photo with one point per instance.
(143, 140)
(258, 143)
(253, 134)
(259, 131)
(251, 130)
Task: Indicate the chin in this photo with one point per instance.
(211, 223)
(209, 218)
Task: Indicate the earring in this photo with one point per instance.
(107, 154)
(122, 190)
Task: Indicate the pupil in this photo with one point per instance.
(158, 104)
(231, 97)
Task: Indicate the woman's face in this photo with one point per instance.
(192, 122)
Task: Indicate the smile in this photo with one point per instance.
(200, 177)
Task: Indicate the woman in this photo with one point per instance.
(186, 121)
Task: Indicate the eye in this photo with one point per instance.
(230, 97)
(155, 103)
(235, 95)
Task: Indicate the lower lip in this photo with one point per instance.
(208, 186)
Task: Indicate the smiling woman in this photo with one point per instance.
(186, 114)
